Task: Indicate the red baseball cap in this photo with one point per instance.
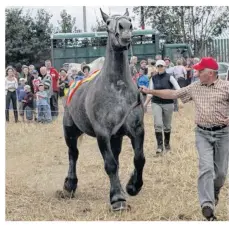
(206, 63)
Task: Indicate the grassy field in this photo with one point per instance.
(37, 163)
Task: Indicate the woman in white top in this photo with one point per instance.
(11, 86)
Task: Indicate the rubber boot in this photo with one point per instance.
(16, 116)
(159, 138)
(167, 140)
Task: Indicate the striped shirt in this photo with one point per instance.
(211, 102)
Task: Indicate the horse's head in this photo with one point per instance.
(119, 29)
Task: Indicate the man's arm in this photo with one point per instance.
(165, 94)
(185, 93)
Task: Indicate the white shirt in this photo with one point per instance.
(11, 85)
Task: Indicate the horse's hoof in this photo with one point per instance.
(132, 190)
(120, 206)
(64, 194)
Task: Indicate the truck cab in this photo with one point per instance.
(176, 51)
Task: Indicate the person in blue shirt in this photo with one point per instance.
(143, 80)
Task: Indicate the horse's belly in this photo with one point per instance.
(83, 123)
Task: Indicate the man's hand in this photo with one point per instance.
(144, 90)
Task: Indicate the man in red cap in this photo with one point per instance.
(211, 97)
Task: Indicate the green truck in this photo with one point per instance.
(86, 47)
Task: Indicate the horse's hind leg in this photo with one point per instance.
(110, 150)
(135, 183)
(71, 134)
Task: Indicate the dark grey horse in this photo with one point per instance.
(108, 107)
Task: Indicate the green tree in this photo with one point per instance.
(42, 30)
(100, 26)
(196, 25)
(27, 38)
(67, 23)
(18, 35)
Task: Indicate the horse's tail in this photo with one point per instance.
(137, 103)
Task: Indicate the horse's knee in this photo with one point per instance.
(110, 166)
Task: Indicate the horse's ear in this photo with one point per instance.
(126, 13)
(104, 15)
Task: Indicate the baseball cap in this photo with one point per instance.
(160, 63)
(206, 63)
(22, 79)
(41, 84)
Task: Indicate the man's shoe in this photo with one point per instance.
(208, 213)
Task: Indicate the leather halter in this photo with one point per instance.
(116, 34)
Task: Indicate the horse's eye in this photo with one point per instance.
(108, 22)
(131, 27)
(120, 27)
(130, 20)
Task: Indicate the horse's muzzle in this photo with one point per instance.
(126, 39)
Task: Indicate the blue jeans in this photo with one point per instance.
(44, 113)
(29, 113)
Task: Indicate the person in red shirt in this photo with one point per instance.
(55, 86)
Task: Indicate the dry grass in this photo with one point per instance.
(37, 163)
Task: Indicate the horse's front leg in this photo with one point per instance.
(117, 195)
(71, 134)
(135, 183)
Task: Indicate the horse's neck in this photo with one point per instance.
(116, 66)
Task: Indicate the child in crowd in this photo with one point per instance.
(86, 70)
(64, 85)
(43, 105)
(36, 81)
(28, 104)
(20, 95)
(47, 85)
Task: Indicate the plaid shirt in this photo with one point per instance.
(211, 102)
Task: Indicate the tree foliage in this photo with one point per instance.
(67, 23)
(196, 25)
(100, 26)
(27, 38)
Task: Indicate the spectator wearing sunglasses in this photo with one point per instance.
(162, 108)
